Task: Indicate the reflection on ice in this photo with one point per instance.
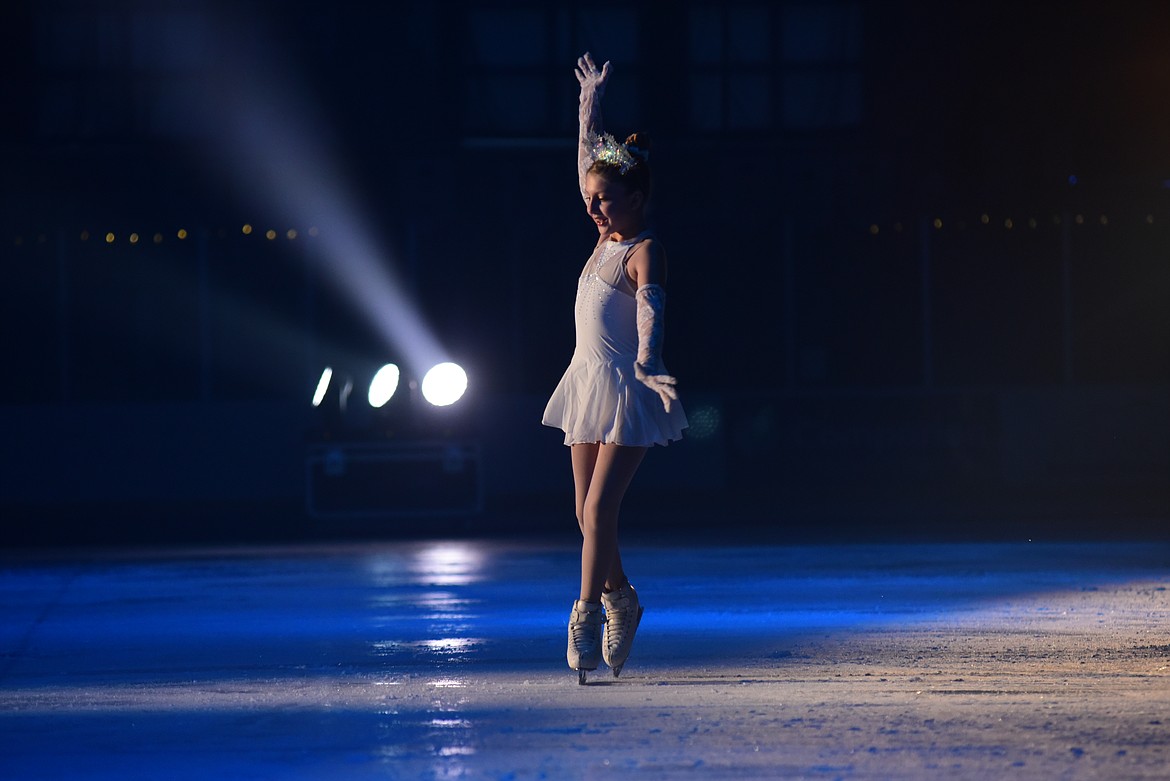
(441, 737)
(450, 723)
(456, 751)
(448, 564)
(444, 649)
(428, 625)
(450, 645)
(442, 604)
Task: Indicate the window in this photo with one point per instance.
(118, 74)
(521, 60)
(762, 67)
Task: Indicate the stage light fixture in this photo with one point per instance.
(383, 385)
(444, 384)
(322, 386)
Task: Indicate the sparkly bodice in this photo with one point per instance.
(606, 312)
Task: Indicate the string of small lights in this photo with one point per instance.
(984, 220)
(1009, 223)
(159, 237)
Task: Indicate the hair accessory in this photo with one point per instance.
(609, 151)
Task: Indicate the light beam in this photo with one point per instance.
(280, 158)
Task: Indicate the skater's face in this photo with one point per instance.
(615, 209)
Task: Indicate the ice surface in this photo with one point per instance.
(445, 659)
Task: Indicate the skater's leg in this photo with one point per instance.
(616, 575)
(584, 460)
(585, 620)
(614, 469)
(584, 457)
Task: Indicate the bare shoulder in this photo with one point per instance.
(647, 263)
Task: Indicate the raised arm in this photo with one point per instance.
(592, 88)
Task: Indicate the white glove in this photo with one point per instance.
(591, 79)
(592, 83)
(651, 302)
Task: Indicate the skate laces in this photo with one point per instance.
(620, 615)
(583, 627)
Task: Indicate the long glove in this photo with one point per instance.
(651, 303)
(592, 82)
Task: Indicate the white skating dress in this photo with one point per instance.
(599, 399)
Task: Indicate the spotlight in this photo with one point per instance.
(328, 390)
(383, 385)
(322, 386)
(444, 384)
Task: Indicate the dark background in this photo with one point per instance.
(919, 261)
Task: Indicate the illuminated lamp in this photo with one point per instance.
(332, 391)
(444, 384)
(383, 385)
(322, 386)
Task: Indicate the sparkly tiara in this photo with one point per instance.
(621, 156)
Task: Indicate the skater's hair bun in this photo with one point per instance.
(639, 146)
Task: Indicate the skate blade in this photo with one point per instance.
(581, 672)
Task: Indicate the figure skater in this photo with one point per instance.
(616, 399)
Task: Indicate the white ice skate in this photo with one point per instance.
(623, 613)
(585, 624)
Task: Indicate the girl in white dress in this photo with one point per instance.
(616, 399)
